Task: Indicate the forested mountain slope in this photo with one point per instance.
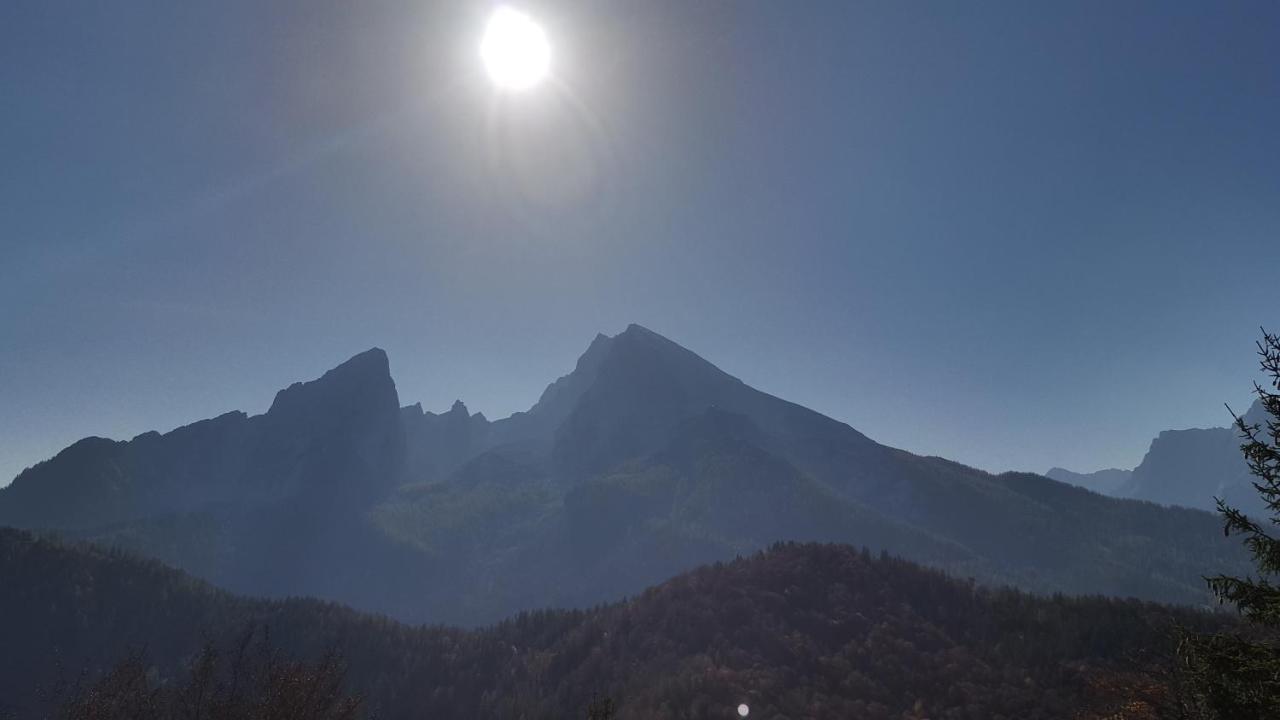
(798, 631)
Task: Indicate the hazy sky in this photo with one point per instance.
(1009, 234)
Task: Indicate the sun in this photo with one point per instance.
(515, 50)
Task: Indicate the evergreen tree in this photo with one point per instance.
(1237, 675)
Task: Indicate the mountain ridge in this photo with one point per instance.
(315, 434)
(1187, 468)
(644, 460)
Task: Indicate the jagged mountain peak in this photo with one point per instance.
(457, 412)
(639, 339)
(638, 354)
(1191, 467)
(643, 387)
(371, 363)
(558, 397)
(1257, 414)
(336, 439)
(366, 377)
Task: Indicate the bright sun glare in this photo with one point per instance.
(515, 50)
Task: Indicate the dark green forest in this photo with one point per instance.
(801, 630)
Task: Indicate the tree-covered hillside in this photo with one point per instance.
(798, 631)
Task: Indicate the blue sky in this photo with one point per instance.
(1011, 234)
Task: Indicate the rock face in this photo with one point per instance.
(643, 461)
(439, 444)
(338, 437)
(1189, 468)
(333, 440)
(641, 390)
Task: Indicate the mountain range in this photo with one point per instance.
(644, 461)
(1188, 468)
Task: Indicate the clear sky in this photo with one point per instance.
(1011, 234)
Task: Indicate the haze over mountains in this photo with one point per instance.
(1189, 468)
(642, 462)
(1105, 482)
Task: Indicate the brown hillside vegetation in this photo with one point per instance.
(799, 631)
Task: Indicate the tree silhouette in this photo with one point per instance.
(251, 681)
(1237, 675)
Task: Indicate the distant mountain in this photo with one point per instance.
(799, 631)
(1105, 482)
(1188, 468)
(644, 461)
(334, 440)
(264, 504)
(440, 444)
